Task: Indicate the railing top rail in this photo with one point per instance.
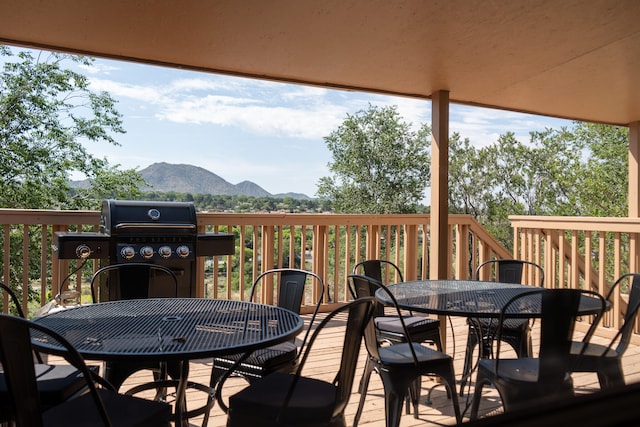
(55, 217)
(208, 218)
(587, 223)
(60, 217)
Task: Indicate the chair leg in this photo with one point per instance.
(368, 368)
(475, 401)
(450, 383)
(363, 387)
(526, 346)
(393, 408)
(472, 341)
(396, 385)
(438, 342)
(414, 396)
(611, 376)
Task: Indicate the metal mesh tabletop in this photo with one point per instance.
(168, 328)
(471, 298)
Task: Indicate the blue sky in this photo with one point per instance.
(266, 132)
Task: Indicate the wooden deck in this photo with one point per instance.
(325, 358)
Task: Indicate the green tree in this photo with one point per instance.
(47, 112)
(603, 184)
(466, 176)
(379, 165)
(557, 172)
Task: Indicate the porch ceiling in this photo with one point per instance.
(576, 59)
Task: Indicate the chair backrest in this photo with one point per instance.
(623, 336)
(360, 313)
(291, 285)
(379, 269)
(15, 350)
(361, 286)
(559, 309)
(16, 303)
(136, 281)
(508, 270)
(366, 287)
(13, 298)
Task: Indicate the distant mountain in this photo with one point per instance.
(165, 177)
(251, 189)
(185, 179)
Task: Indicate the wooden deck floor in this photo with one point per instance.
(325, 358)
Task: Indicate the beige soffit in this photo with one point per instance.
(564, 58)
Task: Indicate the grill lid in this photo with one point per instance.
(130, 217)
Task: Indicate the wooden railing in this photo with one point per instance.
(324, 243)
(582, 252)
(330, 245)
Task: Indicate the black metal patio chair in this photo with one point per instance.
(294, 400)
(523, 381)
(137, 281)
(401, 364)
(422, 328)
(290, 287)
(55, 383)
(389, 326)
(515, 332)
(606, 360)
(99, 406)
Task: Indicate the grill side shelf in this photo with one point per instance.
(72, 245)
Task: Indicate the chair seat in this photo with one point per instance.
(117, 371)
(601, 359)
(592, 350)
(260, 404)
(415, 324)
(56, 383)
(264, 360)
(525, 373)
(400, 354)
(488, 324)
(522, 369)
(124, 411)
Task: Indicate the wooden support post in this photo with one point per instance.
(439, 193)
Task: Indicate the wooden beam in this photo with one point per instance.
(634, 186)
(634, 169)
(439, 184)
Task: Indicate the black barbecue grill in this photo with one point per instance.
(162, 233)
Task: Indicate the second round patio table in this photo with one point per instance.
(471, 299)
(468, 298)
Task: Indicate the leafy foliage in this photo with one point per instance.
(581, 171)
(379, 164)
(228, 203)
(46, 113)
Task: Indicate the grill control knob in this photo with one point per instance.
(183, 251)
(127, 252)
(146, 252)
(164, 251)
(83, 251)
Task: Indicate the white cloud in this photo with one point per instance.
(267, 110)
(483, 126)
(98, 68)
(304, 92)
(195, 84)
(255, 117)
(145, 94)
